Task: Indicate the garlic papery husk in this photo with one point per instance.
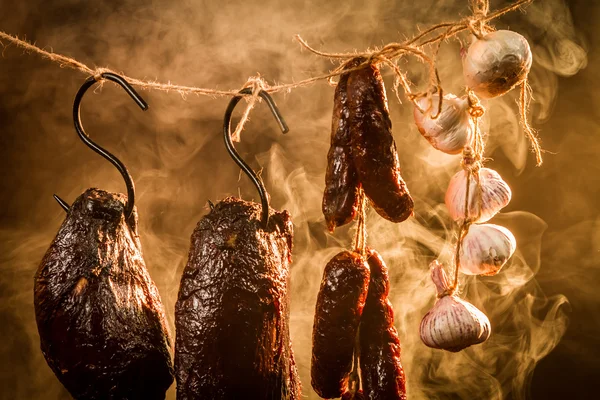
(485, 199)
(485, 249)
(452, 324)
(452, 129)
(497, 62)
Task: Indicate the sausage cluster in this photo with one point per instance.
(363, 152)
(353, 315)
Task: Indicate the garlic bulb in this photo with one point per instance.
(452, 324)
(485, 249)
(452, 129)
(495, 195)
(494, 64)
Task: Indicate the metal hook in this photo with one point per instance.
(107, 155)
(236, 157)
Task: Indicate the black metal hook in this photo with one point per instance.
(236, 157)
(89, 82)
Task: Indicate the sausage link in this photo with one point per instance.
(339, 307)
(381, 370)
(340, 199)
(358, 395)
(373, 147)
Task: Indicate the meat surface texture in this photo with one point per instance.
(358, 395)
(373, 148)
(381, 370)
(99, 315)
(340, 200)
(339, 307)
(232, 311)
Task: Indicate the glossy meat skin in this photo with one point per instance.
(381, 370)
(232, 311)
(339, 307)
(373, 147)
(340, 199)
(99, 315)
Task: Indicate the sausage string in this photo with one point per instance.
(360, 237)
(471, 163)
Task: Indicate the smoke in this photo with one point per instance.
(175, 153)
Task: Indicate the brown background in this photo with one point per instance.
(175, 154)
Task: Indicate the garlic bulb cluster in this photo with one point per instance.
(452, 324)
(485, 199)
(452, 129)
(485, 249)
(494, 64)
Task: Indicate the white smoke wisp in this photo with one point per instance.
(177, 159)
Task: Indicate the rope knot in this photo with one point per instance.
(448, 292)
(476, 111)
(97, 73)
(257, 84)
(477, 23)
(375, 58)
(471, 161)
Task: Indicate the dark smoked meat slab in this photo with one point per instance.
(340, 200)
(381, 370)
(99, 315)
(339, 307)
(232, 311)
(373, 147)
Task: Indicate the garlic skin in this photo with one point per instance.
(495, 195)
(452, 129)
(485, 249)
(452, 324)
(494, 64)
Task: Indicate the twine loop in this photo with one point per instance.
(257, 84)
(388, 55)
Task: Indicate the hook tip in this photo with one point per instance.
(278, 117)
(65, 206)
(142, 103)
(138, 99)
(128, 88)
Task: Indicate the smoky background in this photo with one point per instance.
(544, 306)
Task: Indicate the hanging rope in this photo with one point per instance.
(386, 55)
(390, 51)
